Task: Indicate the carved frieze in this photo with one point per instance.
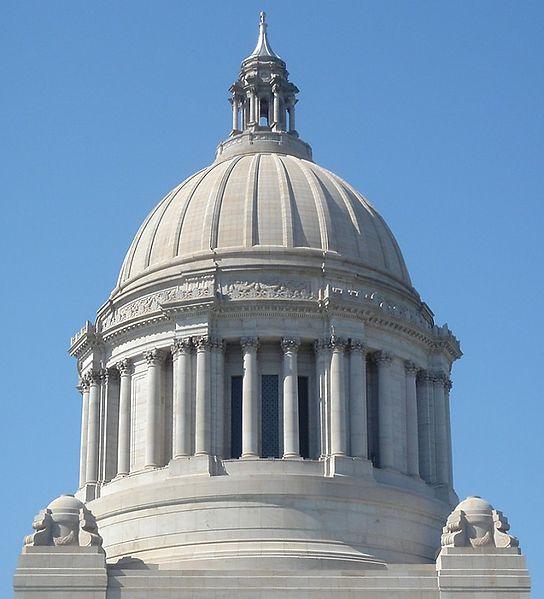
(267, 289)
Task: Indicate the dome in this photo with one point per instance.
(255, 201)
(475, 504)
(65, 502)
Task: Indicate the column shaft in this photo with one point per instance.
(357, 401)
(338, 399)
(447, 390)
(153, 409)
(427, 464)
(181, 405)
(291, 439)
(235, 113)
(203, 436)
(442, 454)
(219, 407)
(123, 441)
(322, 350)
(412, 434)
(250, 407)
(93, 435)
(385, 411)
(84, 432)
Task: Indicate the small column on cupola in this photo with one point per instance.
(263, 98)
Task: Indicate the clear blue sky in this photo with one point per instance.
(432, 109)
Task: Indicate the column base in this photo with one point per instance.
(292, 456)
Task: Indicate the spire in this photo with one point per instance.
(263, 48)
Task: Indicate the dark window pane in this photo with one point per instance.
(236, 417)
(270, 416)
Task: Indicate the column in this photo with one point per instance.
(252, 103)
(218, 359)
(322, 350)
(234, 113)
(250, 395)
(93, 434)
(447, 389)
(276, 104)
(84, 388)
(291, 439)
(123, 441)
(425, 417)
(291, 110)
(203, 437)
(385, 410)
(412, 443)
(441, 434)
(153, 409)
(357, 400)
(181, 405)
(338, 398)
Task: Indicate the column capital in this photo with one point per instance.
(92, 377)
(424, 376)
(217, 344)
(338, 344)
(202, 343)
(290, 344)
(439, 377)
(125, 366)
(448, 384)
(249, 343)
(322, 345)
(84, 384)
(384, 358)
(356, 345)
(410, 368)
(105, 374)
(181, 346)
(153, 357)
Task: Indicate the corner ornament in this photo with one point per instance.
(475, 523)
(64, 522)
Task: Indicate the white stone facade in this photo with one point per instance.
(265, 397)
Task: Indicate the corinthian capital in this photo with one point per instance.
(217, 344)
(410, 368)
(124, 367)
(153, 357)
(181, 346)
(355, 345)
(92, 377)
(202, 343)
(249, 342)
(290, 344)
(383, 358)
(322, 345)
(338, 344)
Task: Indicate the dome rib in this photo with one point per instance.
(321, 207)
(217, 203)
(286, 199)
(250, 223)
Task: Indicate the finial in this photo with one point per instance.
(262, 18)
(263, 49)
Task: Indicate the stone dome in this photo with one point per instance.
(263, 203)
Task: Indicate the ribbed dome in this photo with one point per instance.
(263, 200)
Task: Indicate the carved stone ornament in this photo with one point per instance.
(92, 377)
(125, 367)
(249, 342)
(322, 345)
(474, 523)
(153, 357)
(383, 358)
(217, 344)
(290, 344)
(202, 343)
(65, 522)
(338, 343)
(357, 346)
(410, 368)
(267, 289)
(181, 346)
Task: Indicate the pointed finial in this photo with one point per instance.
(262, 18)
(263, 47)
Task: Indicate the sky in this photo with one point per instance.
(432, 109)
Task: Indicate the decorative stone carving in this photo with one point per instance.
(92, 377)
(474, 523)
(410, 368)
(84, 384)
(384, 358)
(357, 346)
(338, 343)
(290, 344)
(65, 522)
(125, 366)
(202, 343)
(321, 345)
(270, 289)
(249, 342)
(217, 344)
(181, 346)
(153, 357)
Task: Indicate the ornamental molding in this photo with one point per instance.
(153, 357)
(290, 344)
(125, 367)
(357, 346)
(249, 343)
(181, 347)
(268, 288)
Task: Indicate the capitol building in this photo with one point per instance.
(266, 399)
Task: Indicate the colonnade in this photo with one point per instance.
(343, 397)
(246, 109)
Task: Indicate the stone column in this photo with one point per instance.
(447, 389)
(412, 443)
(425, 416)
(203, 425)
(181, 405)
(339, 439)
(357, 401)
(385, 410)
(153, 409)
(235, 113)
(276, 103)
(123, 442)
(441, 429)
(250, 395)
(218, 359)
(291, 439)
(252, 106)
(84, 388)
(93, 434)
(322, 350)
(291, 110)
